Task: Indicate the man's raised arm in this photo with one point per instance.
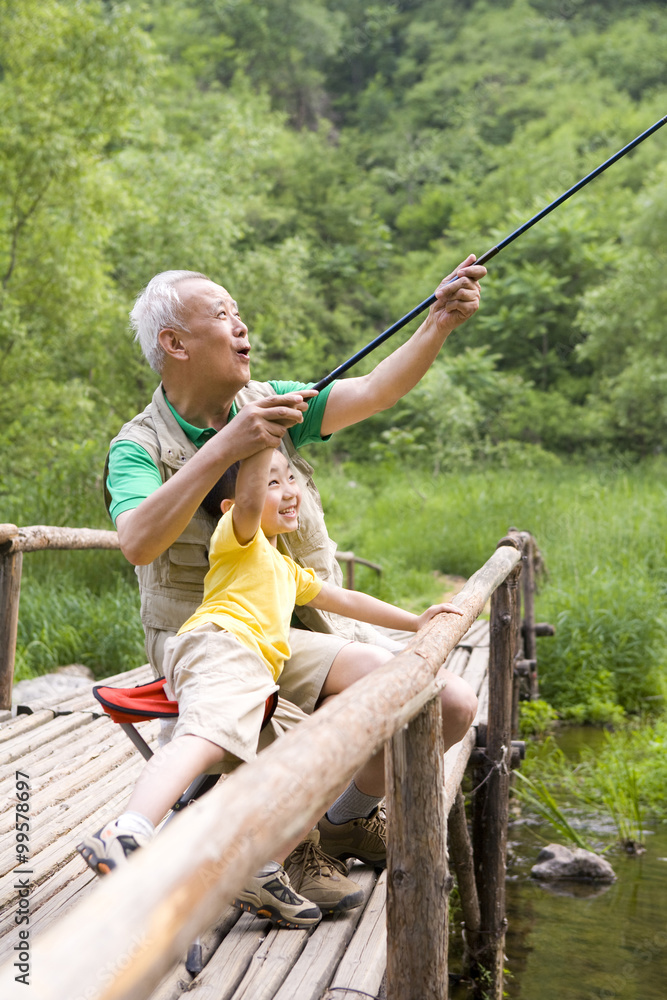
(354, 399)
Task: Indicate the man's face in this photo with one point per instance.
(280, 513)
(215, 337)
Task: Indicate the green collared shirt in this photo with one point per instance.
(133, 475)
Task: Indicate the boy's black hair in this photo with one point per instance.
(224, 489)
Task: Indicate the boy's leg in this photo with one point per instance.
(163, 780)
(169, 772)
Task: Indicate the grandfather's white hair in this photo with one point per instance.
(158, 307)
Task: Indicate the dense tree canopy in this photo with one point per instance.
(329, 161)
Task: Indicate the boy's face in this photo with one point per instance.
(283, 499)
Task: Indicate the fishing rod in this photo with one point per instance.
(399, 324)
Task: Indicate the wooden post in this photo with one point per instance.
(11, 564)
(491, 797)
(528, 588)
(350, 561)
(464, 867)
(418, 882)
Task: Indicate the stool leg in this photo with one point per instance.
(138, 740)
(194, 961)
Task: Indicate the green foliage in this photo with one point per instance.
(624, 332)
(72, 78)
(329, 161)
(622, 777)
(540, 800)
(536, 718)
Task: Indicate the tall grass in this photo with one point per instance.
(622, 778)
(603, 535)
(78, 607)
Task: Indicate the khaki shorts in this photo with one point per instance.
(221, 687)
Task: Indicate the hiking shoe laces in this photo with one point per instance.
(321, 878)
(364, 838)
(271, 895)
(105, 850)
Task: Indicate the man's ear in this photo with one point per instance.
(226, 506)
(171, 341)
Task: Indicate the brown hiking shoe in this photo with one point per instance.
(321, 879)
(364, 838)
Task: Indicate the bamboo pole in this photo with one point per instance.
(122, 938)
(491, 798)
(418, 880)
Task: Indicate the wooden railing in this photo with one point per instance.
(350, 560)
(124, 937)
(14, 541)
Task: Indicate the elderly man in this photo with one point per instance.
(206, 415)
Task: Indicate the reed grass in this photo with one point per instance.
(538, 797)
(621, 779)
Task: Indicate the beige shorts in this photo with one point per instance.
(221, 687)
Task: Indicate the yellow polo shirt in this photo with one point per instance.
(250, 591)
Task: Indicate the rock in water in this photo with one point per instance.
(558, 862)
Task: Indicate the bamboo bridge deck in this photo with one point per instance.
(81, 768)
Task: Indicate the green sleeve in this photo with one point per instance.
(133, 476)
(310, 431)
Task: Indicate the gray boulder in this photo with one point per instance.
(47, 690)
(558, 862)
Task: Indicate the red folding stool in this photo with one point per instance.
(126, 706)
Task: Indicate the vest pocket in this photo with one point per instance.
(188, 564)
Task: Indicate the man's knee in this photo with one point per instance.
(459, 706)
(353, 662)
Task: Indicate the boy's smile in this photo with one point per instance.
(283, 499)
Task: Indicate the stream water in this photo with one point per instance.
(578, 942)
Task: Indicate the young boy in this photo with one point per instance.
(223, 665)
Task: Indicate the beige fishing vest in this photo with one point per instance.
(172, 586)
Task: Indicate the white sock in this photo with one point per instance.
(134, 822)
(268, 869)
(352, 804)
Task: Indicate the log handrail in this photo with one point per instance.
(14, 541)
(122, 938)
(37, 537)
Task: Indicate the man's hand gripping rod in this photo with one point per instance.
(399, 324)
